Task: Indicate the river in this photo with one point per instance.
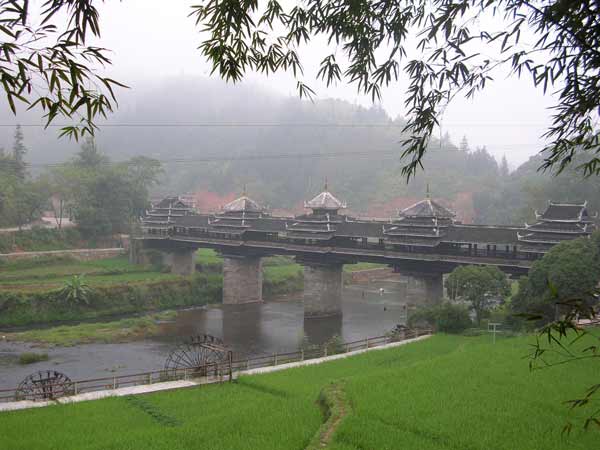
(252, 329)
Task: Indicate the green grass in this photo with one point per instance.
(32, 357)
(209, 257)
(277, 274)
(448, 392)
(362, 266)
(54, 274)
(105, 332)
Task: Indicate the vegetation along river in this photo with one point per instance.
(253, 329)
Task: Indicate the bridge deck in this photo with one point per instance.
(383, 255)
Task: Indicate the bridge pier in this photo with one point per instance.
(242, 279)
(434, 287)
(322, 290)
(180, 260)
(424, 285)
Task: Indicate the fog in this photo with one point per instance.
(154, 50)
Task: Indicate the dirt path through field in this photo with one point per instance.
(335, 404)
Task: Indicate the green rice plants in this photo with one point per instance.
(445, 392)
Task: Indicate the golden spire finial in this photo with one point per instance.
(244, 192)
(428, 194)
(326, 185)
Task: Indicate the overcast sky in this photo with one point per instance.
(152, 41)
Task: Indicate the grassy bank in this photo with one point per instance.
(30, 290)
(40, 240)
(103, 332)
(447, 392)
(49, 273)
(25, 307)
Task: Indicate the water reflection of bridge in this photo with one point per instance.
(423, 242)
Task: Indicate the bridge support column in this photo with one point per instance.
(322, 290)
(434, 287)
(424, 286)
(181, 260)
(242, 279)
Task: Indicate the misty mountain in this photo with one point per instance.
(217, 137)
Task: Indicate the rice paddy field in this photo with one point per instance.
(446, 392)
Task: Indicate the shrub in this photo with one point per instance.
(41, 239)
(30, 357)
(447, 317)
(335, 345)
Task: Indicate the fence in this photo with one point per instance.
(206, 374)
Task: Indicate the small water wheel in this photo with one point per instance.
(199, 356)
(44, 385)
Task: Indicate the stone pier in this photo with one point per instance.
(242, 279)
(424, 286)
(182, 262)
(322, 290)
(434, 287)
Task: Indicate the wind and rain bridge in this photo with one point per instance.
(424, 241)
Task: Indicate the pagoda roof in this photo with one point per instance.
(325, 201)
(242, 204)
(427, 208)
(565, 212)
(171, 203)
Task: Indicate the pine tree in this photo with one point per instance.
(19, 151)
(89, 156)
(504, 171)
(464, 144)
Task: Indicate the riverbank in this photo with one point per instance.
(122, 330)
(444, 392)
(32, 292)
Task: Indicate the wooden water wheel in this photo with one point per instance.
(44, 385)
(201, 355)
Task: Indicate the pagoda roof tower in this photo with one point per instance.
(242, 204)
(322, 223)
(559, 222)
(325, 202)
(422, 224)
(427, 208)
(236, 216)
(165, 212)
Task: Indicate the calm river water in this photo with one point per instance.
(254, 329)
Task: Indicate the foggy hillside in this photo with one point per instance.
(295, 148)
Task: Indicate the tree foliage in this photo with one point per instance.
(375, 38)
(22, 199)
(101, 196)
(570, 270)
(446, 318)
(51, 66)
(480, 286)
(376, 42)
(104, 197)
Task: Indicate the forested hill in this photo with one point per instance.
(299, 144)
(214, 138)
